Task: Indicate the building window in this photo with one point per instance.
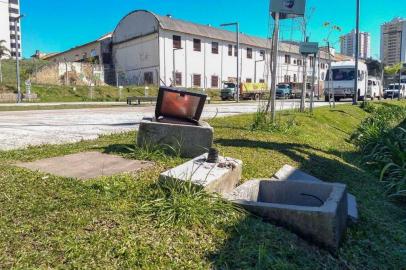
(235, 50)
(12, 28)
(13, 10)
(261, 81)
(249, 53)
(262, 54)
(286, 78)
(214, 81)
(294, 78)
(13, 2)
(177, 42)
(215, 48)
(248, 80)
(148, 78)
(287, 59)
(230, 50)
(14, 45)
(299, 62)
(197, 45)
(197, 80)
(12, 36)
(178, 78)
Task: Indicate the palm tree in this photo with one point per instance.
(4, 51)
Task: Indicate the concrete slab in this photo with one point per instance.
(86, 165)
(290, 173)
(190, 140)
(221, 177)
(316, 211)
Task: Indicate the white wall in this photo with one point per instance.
(205, 63)
(4, 23)
(189, 62)
(135, 57)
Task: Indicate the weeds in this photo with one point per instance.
(174, 202)
(263, 122)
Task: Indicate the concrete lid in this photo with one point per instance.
(86, 165)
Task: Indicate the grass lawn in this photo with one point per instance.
(116, 222)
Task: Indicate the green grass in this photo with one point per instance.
(55, 93)
(131, 222)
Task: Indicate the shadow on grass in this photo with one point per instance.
(312, 160)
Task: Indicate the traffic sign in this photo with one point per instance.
(288, 8)
(307, 48)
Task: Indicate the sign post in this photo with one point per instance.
(281, 9)
(308, 48)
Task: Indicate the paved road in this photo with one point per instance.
(20, 129)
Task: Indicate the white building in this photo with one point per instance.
(9, 10)
(149, 48)
(393, 42)
(348, 44)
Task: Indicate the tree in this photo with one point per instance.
(331, 28)
(375, 67)
(4, 51)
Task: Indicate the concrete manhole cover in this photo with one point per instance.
(86, 165)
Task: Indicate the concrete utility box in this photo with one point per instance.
(317, 211)
(190, 140)
(221, 177)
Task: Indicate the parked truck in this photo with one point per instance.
(253, 91)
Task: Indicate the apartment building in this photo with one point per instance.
(393, 42)
(9, 11)
(348, 44)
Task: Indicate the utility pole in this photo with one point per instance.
(304, 88)
(274, 66)
(17, 53)
(355, 99)
(237, 25)
(313, 86)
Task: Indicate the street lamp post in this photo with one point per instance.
(16, 20)
(173, 63)
(237, 25)
(355, 98)
(400, 55)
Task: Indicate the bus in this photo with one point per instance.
(341, 84)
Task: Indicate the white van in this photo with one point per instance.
(342, 84)
(375, 88)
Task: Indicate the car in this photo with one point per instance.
(284, 90)
(393, 91)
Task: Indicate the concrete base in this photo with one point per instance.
(290, 173)
(86, 165)
(190, 140)
(317, 211)
(221, 177)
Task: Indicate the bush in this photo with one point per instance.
(382, 140)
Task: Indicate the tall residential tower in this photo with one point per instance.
(9, 11)
(348, 44)
(393, 42)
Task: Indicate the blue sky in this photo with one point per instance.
(53, 26)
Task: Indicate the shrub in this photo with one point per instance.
(382, 141)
